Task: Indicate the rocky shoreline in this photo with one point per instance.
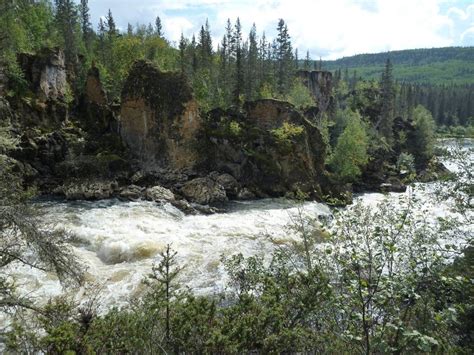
(156, 144)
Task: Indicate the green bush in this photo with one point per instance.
(350, 154)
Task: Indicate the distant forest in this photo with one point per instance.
(239, 68)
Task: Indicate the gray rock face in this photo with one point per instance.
(46, 72)
(159, 193)
(204, 191)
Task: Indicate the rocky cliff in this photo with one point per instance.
(269, 147)
(157, 140)
(159, 118)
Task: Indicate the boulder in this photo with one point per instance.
(132, 192)
(229, 183)
(159, 118)
(204, 191)
(245, 194)
(393, 184)
(91, 190)
(159, 193)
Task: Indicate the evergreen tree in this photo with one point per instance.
(67, 22)
(86, 24)
(387, 96)
(129, 29)
(205, 46)
(182, 54)
(239, 69)
(158, 27)
(284, 58)
(252, 65)
(307, 62)
(194, 57)
(110, 25)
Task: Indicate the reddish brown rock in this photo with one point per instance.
(159, 118)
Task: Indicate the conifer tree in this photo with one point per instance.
(385, 122)
(67, 22)
(307, 62)
(86, 24)
(158, 27)
(252, 63)
(239, 70)
(182, 54)
(284, 58)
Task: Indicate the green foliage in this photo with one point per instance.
(424, 135)
(350, 154)
(286, 134)
(406, 165)
(300, 96)
(434, 66)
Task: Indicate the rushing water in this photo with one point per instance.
(119, 241)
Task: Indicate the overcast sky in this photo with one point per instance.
(327, 28)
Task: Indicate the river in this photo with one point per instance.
(119, 241)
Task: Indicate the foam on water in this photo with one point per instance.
(118, 241)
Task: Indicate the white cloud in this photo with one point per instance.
(330, 28)
(174, 26)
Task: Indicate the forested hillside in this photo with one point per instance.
(450, 65)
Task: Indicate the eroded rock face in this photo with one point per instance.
(46, 73)
(269, 148)
(319, 84)
(159, 118)
(95, 114)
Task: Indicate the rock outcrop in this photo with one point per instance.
(269, 148)
(95, 114)
(320, 85)
(159, 118)
(46, 73)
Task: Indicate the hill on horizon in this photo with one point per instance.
(448, 65)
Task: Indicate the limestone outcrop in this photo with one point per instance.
(159, 118)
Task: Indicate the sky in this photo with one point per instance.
(329, 29)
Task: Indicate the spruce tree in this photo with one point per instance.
(182, 54)
(67, 21)
(307, 62)
(252, 65)
(284, 58)
(239, 70)
(158, 27)
(387, 96)
(86, 24)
